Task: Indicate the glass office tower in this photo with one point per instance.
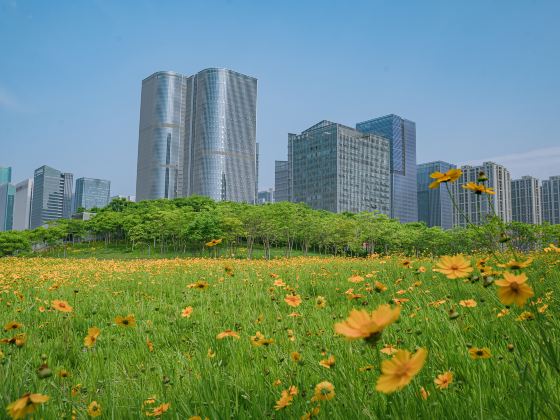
(551, 200)
(5, 175)
(22, 204)
(52, 196)
(198, 136)
(435, 207)
(90, 193)
(526, 206)
(281, 181)
(401, 134)
(7, 196)
(339, 169)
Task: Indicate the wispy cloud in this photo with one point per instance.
(540, 163)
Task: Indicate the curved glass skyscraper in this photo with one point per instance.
(198, 136)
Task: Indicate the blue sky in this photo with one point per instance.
(480, 78)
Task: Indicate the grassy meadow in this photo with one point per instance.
(169, 362)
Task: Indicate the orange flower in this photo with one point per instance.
(442, 381)
(517, 265)
(514, 289)
(327, 363)
(13, 325)
(478, 188)
(25, 405)
(324, 391)
(361, 324)
(126, 321)
(293, 300)
(355, 279)
(480, 353)
(200, 284)
(61, 305)
(469, 303)
(399, 371)
(158, 411)
(424, 394)
(379, 287)
(187, 312)
(149, 344)
(454, 267)
(227, 333)
(19, 340)
(284, 401)
(91, 337)
(279, 283)
(259, 340)
(389, 349)
(94, 409)
(451, 175)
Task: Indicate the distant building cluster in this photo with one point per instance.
(197, 135)
(50, 195)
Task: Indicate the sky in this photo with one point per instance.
(480, 78)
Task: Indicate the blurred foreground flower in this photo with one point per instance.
(399, 371)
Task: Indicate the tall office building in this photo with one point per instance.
(52, 196)
(337, 168)
(435, 207)
(7, 196)
(198, 136)
(401, 134)
(91, 192)
(282, 184)
(22, 204)
(5, 174)
(478, 207)
(526, 203)
(551, 200)
(264, 197)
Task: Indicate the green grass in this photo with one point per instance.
(120, 372)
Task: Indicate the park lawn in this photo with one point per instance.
(197, 374)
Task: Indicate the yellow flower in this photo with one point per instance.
(61, 305)
(480, 353)
(211, 354)
(442, 381)
(389, 349)
(158, 411)
(320, 302)
(259, 340)
(25, 405)
(284, 401)
(295, 356)
(469, 303)
(552, 248)
(399, 371)
(200, 284)
(454, 267)
(514, 289)
(478, 188)
(525, 316)
(313, 413)
(13, 325)
(424, 394)
(94, 409)
(19, 340)
(91, 337)
(187, 312)
(293, 300)
(213, 242)
(327, 363)
(451, 175)
(126, 321)
(355, 279)
(517, 265)
(361, 324)
(149, 344)
(324, 391)
(379, 287)
(227, 333)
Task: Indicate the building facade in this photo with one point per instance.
(52, 196)
(551, 200)
(401, 134)
(479, 207)
(22, 204)
(526, 205)
(282, 184)
(340, 169)
(5, 174)
(90, 193)
(7, 198)
(197, 135)
(265, 196)
(435, 207)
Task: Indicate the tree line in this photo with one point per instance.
(193, 224)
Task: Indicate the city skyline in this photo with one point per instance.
(462, 74)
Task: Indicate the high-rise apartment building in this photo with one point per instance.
(401, 134)
(7, 196)
(282, 184)
(264, 197)
(551, 200)
(22, 204)
(478, 207)
(5, 174)
(90, 193)
(52, 196)
(435, 207)
(197, 135)
(526, 203)
(337, 168)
